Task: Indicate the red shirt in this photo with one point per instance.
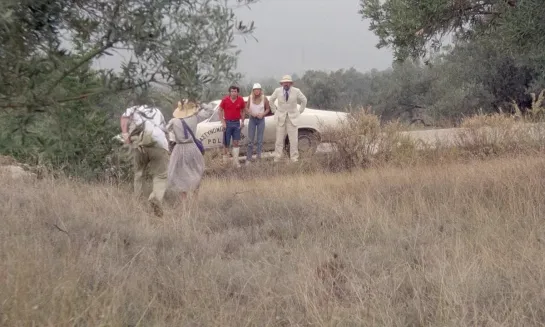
(231, 109)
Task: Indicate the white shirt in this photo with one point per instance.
(286, 92)
(154, 124)
(257, 108)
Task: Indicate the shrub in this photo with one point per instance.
(498, 133)
(537, 110)
(362, 141)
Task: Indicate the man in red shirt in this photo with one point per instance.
(232, 119)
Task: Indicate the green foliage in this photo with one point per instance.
(267, 88)
(412, 27)
(390, 93)
(522, 31)
(473, 77)
(335, 90)
(219, 90)
(57, 111)
(74, 137)
(182, 44)
(497, 58)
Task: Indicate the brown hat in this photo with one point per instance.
(185, 109)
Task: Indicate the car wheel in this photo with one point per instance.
(308, 142)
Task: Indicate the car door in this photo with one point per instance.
(269, 135)
(210, 132)
(244, 133)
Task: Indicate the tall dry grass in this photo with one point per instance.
(500, 134)
(362, 141)
(453, 245)
(537, 110)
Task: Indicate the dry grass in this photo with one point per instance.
(363, 142)
(537, 110)
(426, 236)
(453, 245)
(499, 133)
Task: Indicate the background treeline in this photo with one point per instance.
(59, 110)
(469, 79)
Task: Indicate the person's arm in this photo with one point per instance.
(303, 99)
(247, 106)
(242, 111)
(272, 99)
(124, 122)
(267, 108)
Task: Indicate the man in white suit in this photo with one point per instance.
(286, 115)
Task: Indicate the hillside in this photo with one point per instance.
(453, 245)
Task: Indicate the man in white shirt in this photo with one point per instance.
(144, 128)
(286, 115)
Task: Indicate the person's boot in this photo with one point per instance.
(235, 153)
(225, 158)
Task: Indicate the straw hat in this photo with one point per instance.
(286, 79)
(185, 109)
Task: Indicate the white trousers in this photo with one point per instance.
(291, 130)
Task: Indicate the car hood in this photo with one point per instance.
(327, 114)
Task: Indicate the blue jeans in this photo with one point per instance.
(232, 129)
(253, 125)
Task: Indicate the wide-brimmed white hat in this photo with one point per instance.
(286, 78)
(185, 109)
(256, 86)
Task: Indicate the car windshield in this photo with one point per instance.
(215, 117)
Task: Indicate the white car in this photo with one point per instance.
(311, 126)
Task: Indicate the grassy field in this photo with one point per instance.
(458, 244)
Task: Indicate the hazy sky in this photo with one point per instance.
(298, 35)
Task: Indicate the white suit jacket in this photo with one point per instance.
(287, 108)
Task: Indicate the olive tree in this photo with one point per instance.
(413, 27)
(56, 108)
(497, 57)
(182, 44)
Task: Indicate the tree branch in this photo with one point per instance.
(91, 55)
(88, 57)
(74, 98)
(452, 14)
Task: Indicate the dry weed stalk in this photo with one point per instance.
(536, 111)
(362, 140)
(498, 133)
(538, 108)
(458, 244)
